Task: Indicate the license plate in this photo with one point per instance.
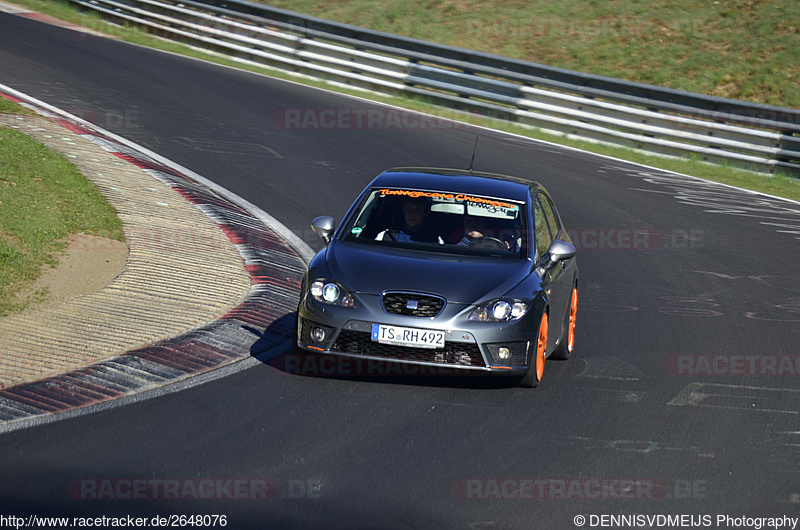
(420, 338)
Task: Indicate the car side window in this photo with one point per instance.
(550, 215)
(543, 232)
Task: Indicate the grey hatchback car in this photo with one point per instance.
(448, 271)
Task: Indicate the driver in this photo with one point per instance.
(474, 228)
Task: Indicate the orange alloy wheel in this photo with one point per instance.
(573, 311)
(541, 347)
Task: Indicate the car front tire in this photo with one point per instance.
(536, 368)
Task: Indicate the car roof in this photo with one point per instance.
(456, 181)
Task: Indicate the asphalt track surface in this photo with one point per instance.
(682, 397)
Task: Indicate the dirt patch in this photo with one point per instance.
(89, 264)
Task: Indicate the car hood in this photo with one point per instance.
(457, 279)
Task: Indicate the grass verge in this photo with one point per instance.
(779, 185)
(43, 199)
(740, 49)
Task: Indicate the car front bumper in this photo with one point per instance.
(500, 348)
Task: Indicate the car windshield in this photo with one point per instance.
(439, 221)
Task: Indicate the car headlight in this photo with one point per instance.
(332, 293)
(503, 310)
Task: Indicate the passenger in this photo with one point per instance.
(416, 224)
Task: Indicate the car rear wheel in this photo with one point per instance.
(564, 348)
(536, 368)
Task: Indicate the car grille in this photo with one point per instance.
(412, 304)
(454, 353)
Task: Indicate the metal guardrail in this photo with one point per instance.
(645, 117)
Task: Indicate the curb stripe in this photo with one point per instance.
(274, 267)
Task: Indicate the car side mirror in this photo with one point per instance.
(560, 251)
(324, 227)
